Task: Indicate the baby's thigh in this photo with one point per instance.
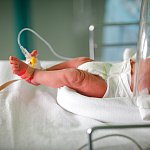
(89, 84)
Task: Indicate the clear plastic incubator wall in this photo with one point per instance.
(142, 77)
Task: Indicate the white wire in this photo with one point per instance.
(42, 39)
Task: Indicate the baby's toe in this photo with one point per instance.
(13, 60)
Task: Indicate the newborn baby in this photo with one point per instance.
(87, 77)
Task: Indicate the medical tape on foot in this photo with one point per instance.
(6, 84)
(26, 76)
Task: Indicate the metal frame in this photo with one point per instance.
(90, 131)
(118, 24)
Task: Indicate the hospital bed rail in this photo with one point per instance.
(90, 132)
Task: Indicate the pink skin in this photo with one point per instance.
(67, 74)
(144, 77)
(64, 74)
(19, 67)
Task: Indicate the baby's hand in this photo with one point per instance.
(34, 53)
(34, 62)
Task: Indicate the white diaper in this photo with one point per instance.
(117, 76)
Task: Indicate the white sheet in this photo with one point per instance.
(112, 110)
(31, 119)
(143, 102)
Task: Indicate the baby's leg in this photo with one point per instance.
(81, 81)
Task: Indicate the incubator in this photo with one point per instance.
(142, 68)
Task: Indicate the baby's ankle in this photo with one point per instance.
(34, 79)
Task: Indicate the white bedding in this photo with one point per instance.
(30, 118)
(112, 110)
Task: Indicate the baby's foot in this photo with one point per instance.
(21, 69)
(18, 66)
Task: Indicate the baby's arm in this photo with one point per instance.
(74, 63)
